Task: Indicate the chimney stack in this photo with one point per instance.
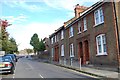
(79, 9)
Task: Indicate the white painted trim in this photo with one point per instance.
(71, 53)
(98, 17)
(85, 24)
(62, 50)
(71, 30)
(102, 49)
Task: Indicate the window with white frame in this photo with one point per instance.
(70, 31)
(101, 44)
(62, 34)
(71, 50)
(79, 27)
(55, 38)
(85, 24)
(52, 40)
(62, 50)
(52, 52)
(99, 17)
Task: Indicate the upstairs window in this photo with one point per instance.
(79, 27)
(55, 38)
(52, 40)
(101, 44)
(99, 17)
(62, 34)
(52, 52)
(70, 31)
(85, 24)
(71, 50)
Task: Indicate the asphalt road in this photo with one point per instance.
(26, 68)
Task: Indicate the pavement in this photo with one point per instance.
(102, 73)
(94, 72)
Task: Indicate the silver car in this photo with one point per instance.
(6, 65)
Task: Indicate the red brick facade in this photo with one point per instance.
(97, 45)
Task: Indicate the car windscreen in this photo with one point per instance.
(10, 56)
(2, 59)
(7, 58)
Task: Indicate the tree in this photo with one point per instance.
(35, 42)
(29, 51)
(41, 45)
(12, 46)
(6, 44)
(4, 35)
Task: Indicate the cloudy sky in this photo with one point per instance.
(37, 16)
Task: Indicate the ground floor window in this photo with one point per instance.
(101, 44)
(62, 50)
(71, 50)
(52, 52)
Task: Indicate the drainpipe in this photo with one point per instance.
(116, 22)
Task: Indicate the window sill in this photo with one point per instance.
(62, 39)
(98, 24)
(84, 30)
(70, 36)
(72, 56)
(102, 54)
(79, 33)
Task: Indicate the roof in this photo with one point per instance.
(56, 31)
(84, 13)
(72, 21)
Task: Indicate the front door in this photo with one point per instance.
(80, 53)
(86, 51)
(56, 56)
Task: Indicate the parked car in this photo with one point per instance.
(14, 57)
(6, 65)
(11, 59)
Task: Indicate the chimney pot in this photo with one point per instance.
(79, 9)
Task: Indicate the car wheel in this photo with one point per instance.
(12, 71)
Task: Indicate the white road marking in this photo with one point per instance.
(13, 76)
(14, 73)
(30, 67)
(40, 75)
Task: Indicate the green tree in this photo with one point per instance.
(29, 51)
(12, 46)
(4, 39)
(35, 42)
(41, 45)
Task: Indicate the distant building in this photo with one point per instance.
(47, 43)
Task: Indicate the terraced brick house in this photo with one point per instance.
(92, 37)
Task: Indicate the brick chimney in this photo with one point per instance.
(79, 9)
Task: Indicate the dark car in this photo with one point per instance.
(6, 65)
(14, 57)
(11, 59)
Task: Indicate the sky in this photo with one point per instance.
(37, 16)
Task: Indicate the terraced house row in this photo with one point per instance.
(91, 37)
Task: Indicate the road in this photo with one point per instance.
(26, 68)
